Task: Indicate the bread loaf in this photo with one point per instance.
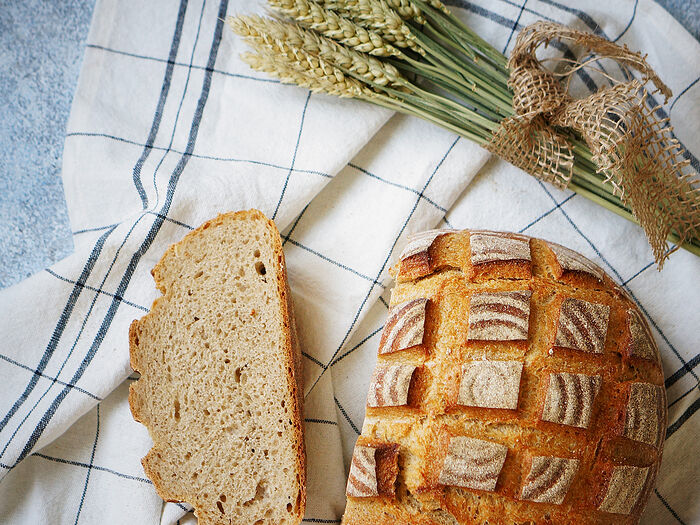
(220, 366)
(515, 384)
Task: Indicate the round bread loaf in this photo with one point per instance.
(516, 383)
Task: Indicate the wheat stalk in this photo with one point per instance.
(280, 52)
(331, 84)
(406, 10)
(378, 16)
(367, 68)
(332, 25)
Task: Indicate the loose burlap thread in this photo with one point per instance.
(629, 143)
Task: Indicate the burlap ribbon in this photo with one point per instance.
(630, 144)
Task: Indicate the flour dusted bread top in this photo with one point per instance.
(515, 384)
(219, 366)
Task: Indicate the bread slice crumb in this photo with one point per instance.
(220, 367)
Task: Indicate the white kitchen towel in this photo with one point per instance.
(169, 128)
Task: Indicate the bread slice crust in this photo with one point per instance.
(174, 478)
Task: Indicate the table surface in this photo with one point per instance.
(38, 74)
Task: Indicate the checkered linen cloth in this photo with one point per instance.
(169, 128)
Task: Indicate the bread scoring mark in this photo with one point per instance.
(571, 261)
(582, 325)
(373, 470)
(549, 479)
(643, 413)
(625, 486)
(473, 463)
(404, 326)
(387, 459)
(490, 384)
(499, 316)
(489, 247)
(389, 386)
(415, 258)
(362, 480)
(570, 398)
(421, 242)
(641, 341)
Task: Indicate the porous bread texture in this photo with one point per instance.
(585, 435)
(220, 367)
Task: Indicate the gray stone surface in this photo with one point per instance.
(41, 47)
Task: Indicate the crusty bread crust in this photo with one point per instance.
(292, 359)
(505, 315)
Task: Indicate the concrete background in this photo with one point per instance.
(41, 48)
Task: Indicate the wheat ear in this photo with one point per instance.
(407, 10)
(368, 68)
(330, 24)
(280, 52)
(326, 82)
(377, 16)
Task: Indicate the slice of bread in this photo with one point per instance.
(220, 388)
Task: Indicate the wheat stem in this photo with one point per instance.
(465, 36)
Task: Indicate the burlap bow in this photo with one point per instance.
(630, 144)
